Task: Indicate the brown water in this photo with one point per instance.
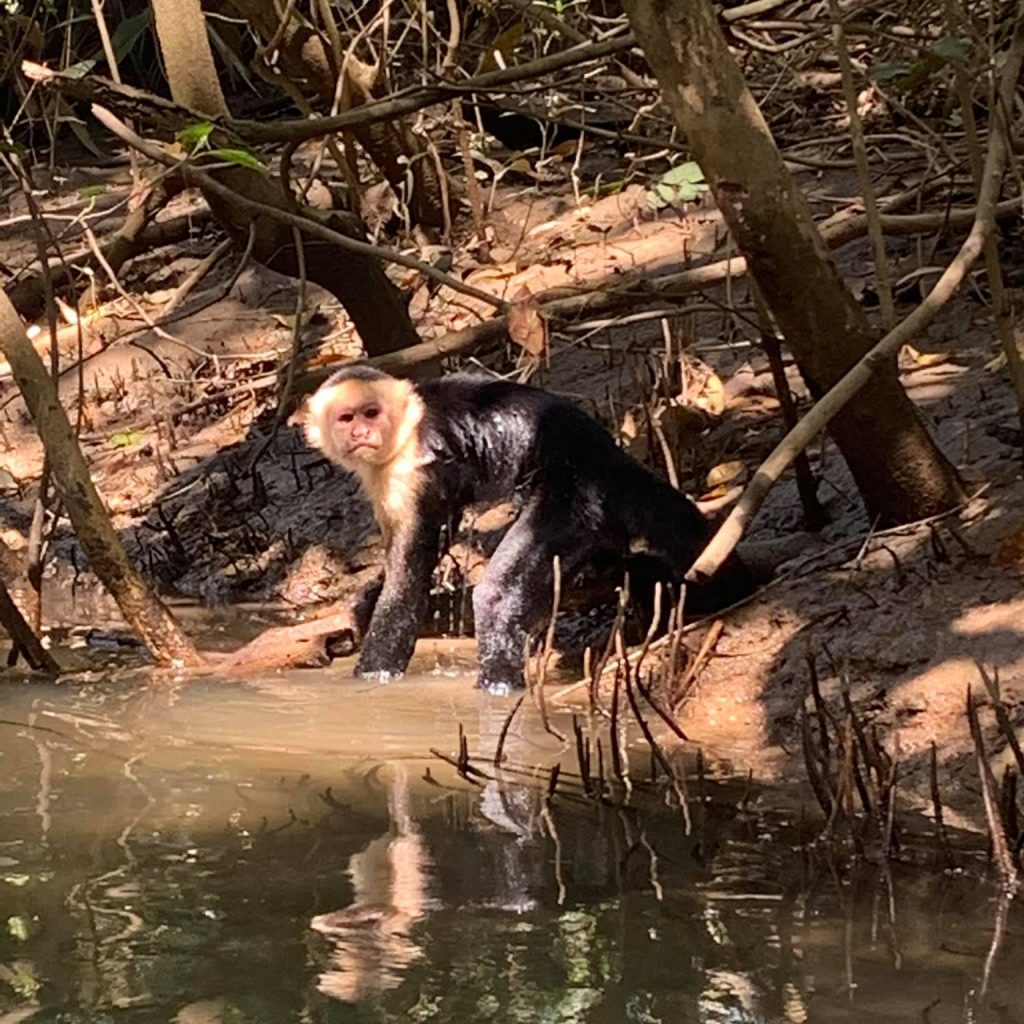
(288, 850)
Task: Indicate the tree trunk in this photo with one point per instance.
(24, 639)
(900, 472)
(144, 612)
(400, 155)
(375, 305)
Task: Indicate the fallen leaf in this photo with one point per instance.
(725, 473)
(628, 428)
(527, 326)
(926, 358)
(1011, 550)
(999, 361)
(124, 439)
(712, 395)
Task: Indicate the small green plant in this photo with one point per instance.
(196, 139)
(680, 184)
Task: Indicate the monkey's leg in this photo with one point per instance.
(515, 595)
(675, 533)
(389, 641)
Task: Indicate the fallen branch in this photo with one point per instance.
(130, 239)
(832, 402)
(300, 646)
(564, 304)
(200, 179)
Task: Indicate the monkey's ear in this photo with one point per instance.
(304, 419)
(298, 418)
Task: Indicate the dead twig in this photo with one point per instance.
(997, 834)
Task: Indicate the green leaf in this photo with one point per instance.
(128, 32)
(952, 48)
(124, 439)
(92, 191)
(889, 72)
(680, 184)
(236, 156)
(655, 201)
(688, 173)
(79, 70)
(81, 133)
(194, 135)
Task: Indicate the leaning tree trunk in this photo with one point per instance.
(144, 612)
(375, 305)
(900, 472)
(22, 636)
(399, 154)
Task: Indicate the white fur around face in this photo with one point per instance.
(392, 481)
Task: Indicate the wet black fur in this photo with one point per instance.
(578, 496)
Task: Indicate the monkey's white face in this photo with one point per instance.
(353, 423)
(361, 432)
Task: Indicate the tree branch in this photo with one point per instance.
(835, 398)
(200, 179)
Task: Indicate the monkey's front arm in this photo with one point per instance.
(402, 604)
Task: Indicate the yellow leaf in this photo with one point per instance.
(726, 473)
(999, 361)
(712, 396)
(926, 358)
(628, 429)
(718, 491)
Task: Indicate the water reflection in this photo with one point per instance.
(277, 852)
(371, 938)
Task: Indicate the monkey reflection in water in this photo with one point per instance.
(497, 855)
(424, 453)
(372, 945)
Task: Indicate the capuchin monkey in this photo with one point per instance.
(425, 452)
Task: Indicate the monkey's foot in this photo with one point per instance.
(500, 687)
(377, 675)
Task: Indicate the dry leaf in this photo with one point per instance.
(712, 395)
(1011, 551)
(527, 326)
(566, 148)
(67, 311)
(714, 492)
(725, 473)
(926, 358)
(286, 318)
(628, 428)
(999, 361)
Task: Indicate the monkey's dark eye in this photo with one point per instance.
(372, 413)
(346, 417)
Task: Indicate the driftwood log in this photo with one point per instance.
(306, 645)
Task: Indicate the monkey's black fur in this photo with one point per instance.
(578, 496)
